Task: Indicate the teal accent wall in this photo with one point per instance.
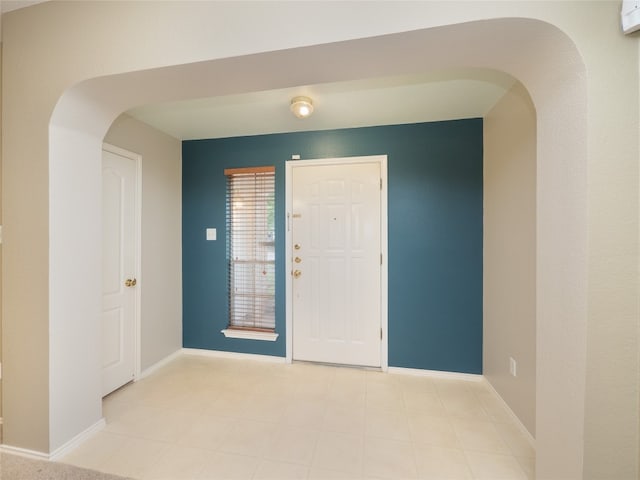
(435, 236)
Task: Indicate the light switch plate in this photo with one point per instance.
(211, 234)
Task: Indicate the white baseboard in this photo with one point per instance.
(468, 377)
(24, 452)
(59, 452)
(77, 440)
(159, 365)
(514, 417)
(233, 355)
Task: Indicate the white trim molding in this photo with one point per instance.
(233, 355)
(467, 377)
(23, 452)
(78, 440)
(58, 452)
(249, 334)
(156, 366)
(530, 438)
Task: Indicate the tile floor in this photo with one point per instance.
(209, 418)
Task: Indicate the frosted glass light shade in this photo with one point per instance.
(301, 107)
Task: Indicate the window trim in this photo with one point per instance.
(235, 332)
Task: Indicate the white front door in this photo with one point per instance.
(119, 265)
(336, 250)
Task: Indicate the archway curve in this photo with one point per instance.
(539, 55)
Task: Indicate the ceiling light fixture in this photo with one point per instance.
(301, 107)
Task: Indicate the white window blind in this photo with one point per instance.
(251, 247)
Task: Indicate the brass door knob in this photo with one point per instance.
(296, 273)
(297, 246)
(297, 259)
(130, 282)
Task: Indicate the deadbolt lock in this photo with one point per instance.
(297, 259)
(130, 282)
(296, 273)
(297, 246)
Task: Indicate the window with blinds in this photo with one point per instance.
(251, 247)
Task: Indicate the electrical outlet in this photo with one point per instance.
(513, 367)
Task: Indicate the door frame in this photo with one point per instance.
(290, 165)
(137, 314)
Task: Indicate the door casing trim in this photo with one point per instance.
(137, 341)
(290, 165)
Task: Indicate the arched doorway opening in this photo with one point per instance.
(86, 111)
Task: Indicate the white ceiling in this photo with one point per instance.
(446, 95)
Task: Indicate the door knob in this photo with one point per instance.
(130, 282)
(297, 246)
(296, 273)
(297, 259)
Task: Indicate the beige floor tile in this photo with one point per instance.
(308, 390)
(479, 436)
(309, 414)
(132, 421)
(135, 457)
(276, 386)
(416, 384)
(268, 408)
(248, 437)
(352, 376)
(515, 440)
(171, 426)
(343, 418)
(435, 463)
(488, 466)
(273, 470)
(431, 430)
(447, 386)
(200, 413)
(178, 463)
(463, 405)
(343, 392)
(387, 424)
(96, 452)
(339, 451)
(207, 432)
(293, 445)
(494, 407)
(326, 474)
(384, 397)
(230, 404)
(377, 377)
(228, 466)
(427, 403)
(390, 459)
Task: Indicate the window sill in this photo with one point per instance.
(249, 334)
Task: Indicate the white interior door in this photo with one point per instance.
(119, 265)
(336, 238)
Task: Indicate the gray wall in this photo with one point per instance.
(510, 251)
(161, 276)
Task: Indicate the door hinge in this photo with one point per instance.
(380, 184)
(380, 333)
(381, 259)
